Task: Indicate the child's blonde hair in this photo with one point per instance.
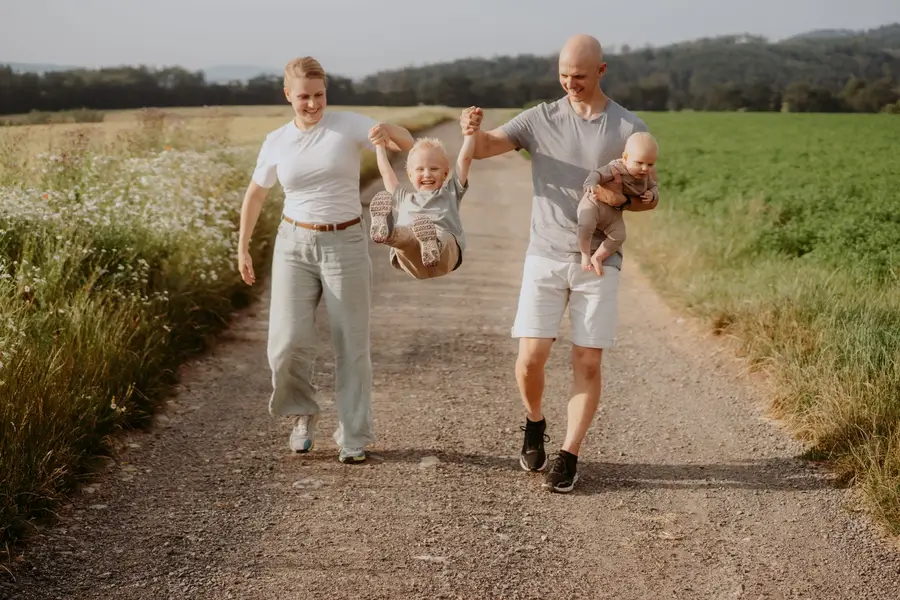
(305, 67)
(428, 143)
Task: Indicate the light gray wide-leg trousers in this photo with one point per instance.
(307, 266)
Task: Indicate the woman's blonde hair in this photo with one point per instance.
(299, 68)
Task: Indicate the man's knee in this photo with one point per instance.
(586, 362)
(533, 355)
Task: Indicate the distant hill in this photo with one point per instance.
(824, 34)
(820, 71)
(711, 73)
(214, 74)
(226, 73)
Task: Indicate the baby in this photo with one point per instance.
(638, 183)
(427, 239)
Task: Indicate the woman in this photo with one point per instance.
(321, 250)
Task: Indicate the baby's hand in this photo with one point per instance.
(647, 196)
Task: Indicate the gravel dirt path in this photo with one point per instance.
(686, 490)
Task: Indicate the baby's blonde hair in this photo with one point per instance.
(428, 143)
(305, 67)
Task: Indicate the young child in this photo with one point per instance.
(638, 183)
(427, 238)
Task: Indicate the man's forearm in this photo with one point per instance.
(491, 143)
(638, 206)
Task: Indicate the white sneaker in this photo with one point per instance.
(303, 434)
(352, 455)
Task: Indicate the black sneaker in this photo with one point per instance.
(563, 473)
(533, 457)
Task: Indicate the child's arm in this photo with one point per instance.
(464, 160)
(384, 167)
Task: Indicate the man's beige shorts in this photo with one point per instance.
(549, 285)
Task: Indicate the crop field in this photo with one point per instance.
(117, 261)
(783, 230)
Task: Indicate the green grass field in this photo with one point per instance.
(118, 261)
(783, 230)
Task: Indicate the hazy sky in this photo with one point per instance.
(357, 37)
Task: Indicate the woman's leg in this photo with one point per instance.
(347, 288)
(295, 293)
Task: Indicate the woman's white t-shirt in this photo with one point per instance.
(318, 168)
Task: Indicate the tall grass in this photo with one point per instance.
(115, 264)
(784, 231)
(39, 117)
(117, 261)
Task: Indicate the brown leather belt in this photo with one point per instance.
(322, 226)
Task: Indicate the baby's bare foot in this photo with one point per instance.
(586, 262)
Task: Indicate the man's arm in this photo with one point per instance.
(610, 192)
(487, 143)
(639, 206)
(384, 167)
(492, 143)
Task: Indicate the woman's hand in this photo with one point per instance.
(245, 267)
(380, 135)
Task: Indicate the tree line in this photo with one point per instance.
(846, 73)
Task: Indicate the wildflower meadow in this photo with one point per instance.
(116, 262)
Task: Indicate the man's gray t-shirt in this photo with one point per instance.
(564, 148)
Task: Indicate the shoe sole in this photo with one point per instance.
(352, 460)
(381, 209)
(563, 489)
(525, 466)
(426, 233)
(310, 442)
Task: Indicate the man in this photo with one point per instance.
(566, 139)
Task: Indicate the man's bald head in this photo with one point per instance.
(580, 67)
(582, 48)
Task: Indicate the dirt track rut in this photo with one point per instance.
(686, 490)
